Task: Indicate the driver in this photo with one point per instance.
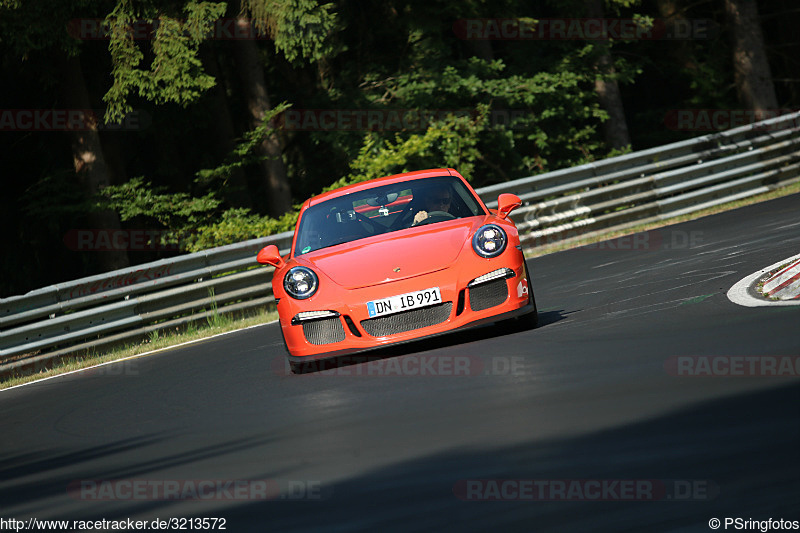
(435, 199)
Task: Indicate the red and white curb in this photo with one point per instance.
(784, 285)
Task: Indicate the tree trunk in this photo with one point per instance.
(251, 72)
(236, 193)
(89, 161)
(672, 14)
(608, 93)
(752, 75)
(615, 128)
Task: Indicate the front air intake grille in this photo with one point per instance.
(407, 320)
(488, 294)
(324, 331)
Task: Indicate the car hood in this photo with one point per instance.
(390, 257)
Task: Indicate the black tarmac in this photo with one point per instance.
(626, 382)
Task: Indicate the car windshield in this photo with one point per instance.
(384, 209)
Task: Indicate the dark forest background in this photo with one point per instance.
(205, 134)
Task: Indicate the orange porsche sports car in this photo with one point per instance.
(396, 259)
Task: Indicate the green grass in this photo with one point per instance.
(221, 323)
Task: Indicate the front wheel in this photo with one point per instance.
(528, 320)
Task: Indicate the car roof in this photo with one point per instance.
(387, 180)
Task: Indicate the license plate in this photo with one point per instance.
(404, 302)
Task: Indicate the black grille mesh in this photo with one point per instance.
(324, 331)
(407, 320)
(488, 294)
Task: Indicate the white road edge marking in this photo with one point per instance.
(738, 293)
(145, 354)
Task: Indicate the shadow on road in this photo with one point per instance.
(454, 338)
(734, 457)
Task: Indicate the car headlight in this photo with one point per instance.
(300, 282)
(489, 241)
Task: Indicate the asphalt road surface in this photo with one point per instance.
(625, 410)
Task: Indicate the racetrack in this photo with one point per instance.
(593, 395)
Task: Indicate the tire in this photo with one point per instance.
(296, 368)
(528, 320)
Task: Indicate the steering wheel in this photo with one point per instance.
(436, 216)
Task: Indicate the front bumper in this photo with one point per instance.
(339, 323)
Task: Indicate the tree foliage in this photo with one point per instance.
(495, 109)
(175, 73)
(298, 27)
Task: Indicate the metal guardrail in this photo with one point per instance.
(656, 184)
(636, 188)
(133, 302)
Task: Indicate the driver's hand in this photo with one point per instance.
(419, 217)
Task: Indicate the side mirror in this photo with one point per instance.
(506, 203)
(270, 256)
